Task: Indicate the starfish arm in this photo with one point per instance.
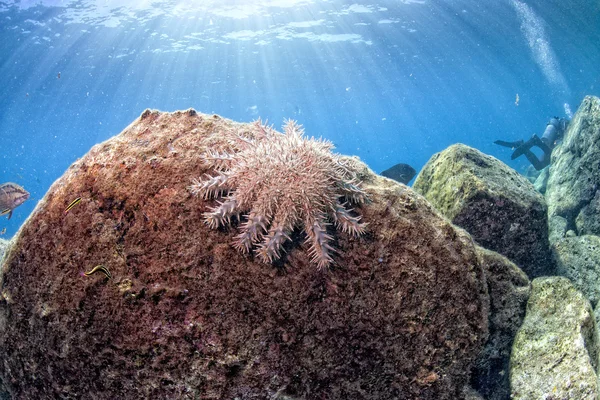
(319, 242)
(270, 249)
(346, 222)
(213, 186)
(219, 161)
(252, 231)
(352, 192)
(221, 214)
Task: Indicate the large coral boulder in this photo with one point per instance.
(498, 207)
(573, 192)
(177, 312)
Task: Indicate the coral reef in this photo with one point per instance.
(279, 182)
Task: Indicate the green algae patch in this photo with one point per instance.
(555, 353)
(498, 207)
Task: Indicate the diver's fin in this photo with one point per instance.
(534, 141)
(519, 151)
(512, 145)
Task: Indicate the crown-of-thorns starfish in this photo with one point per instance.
(279, 182)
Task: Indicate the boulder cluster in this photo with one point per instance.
(475, 284)
(550, 229)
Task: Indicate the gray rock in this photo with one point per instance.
(542, 181)
(555, 353)
(471, 394)
(531, 174)
(588, 220)
(557, 228)
(509, 289)
(3, 247)
(499, 207)
(578, 258)
(574, 180)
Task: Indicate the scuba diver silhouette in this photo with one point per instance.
(554, 131)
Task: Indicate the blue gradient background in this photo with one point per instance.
(392, 81)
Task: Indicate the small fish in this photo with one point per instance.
(99, 268)
(72, 204)
(402, 173)
(58, 76)
(11, 196)
(517, 100)
(3, 231)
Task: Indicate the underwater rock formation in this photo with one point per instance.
(542, 180)
(573, 197)
(509, 290)
(578, 258)
(3, 247)
(176, 312)
(573, 190)
(497, 206)
(555, 354)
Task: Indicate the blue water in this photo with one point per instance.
(389, 81)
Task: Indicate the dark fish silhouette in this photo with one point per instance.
(402, 173)
(11, 196)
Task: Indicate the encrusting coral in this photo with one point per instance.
(279, 182)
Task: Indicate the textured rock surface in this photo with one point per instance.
(402, 314)
(573, 191)
(542, 180)
(578, 258)
(3, 247)
(497, 206)
(555, 354)
(509, 290)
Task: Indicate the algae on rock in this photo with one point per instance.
(509, 290)
(578, 258)
(555, 353)
(499, 207)
(403, 312)
(573, 190)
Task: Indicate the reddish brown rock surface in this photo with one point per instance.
(402, 314)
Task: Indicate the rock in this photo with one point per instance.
(578, 258)
(509, 290)
(3, 247)
(401, 314)
(542, 181)
(470, 394)
(4, 244)
(574, 182)
(532, 174)
(555, 354)
(558, 229)
(496, 205)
